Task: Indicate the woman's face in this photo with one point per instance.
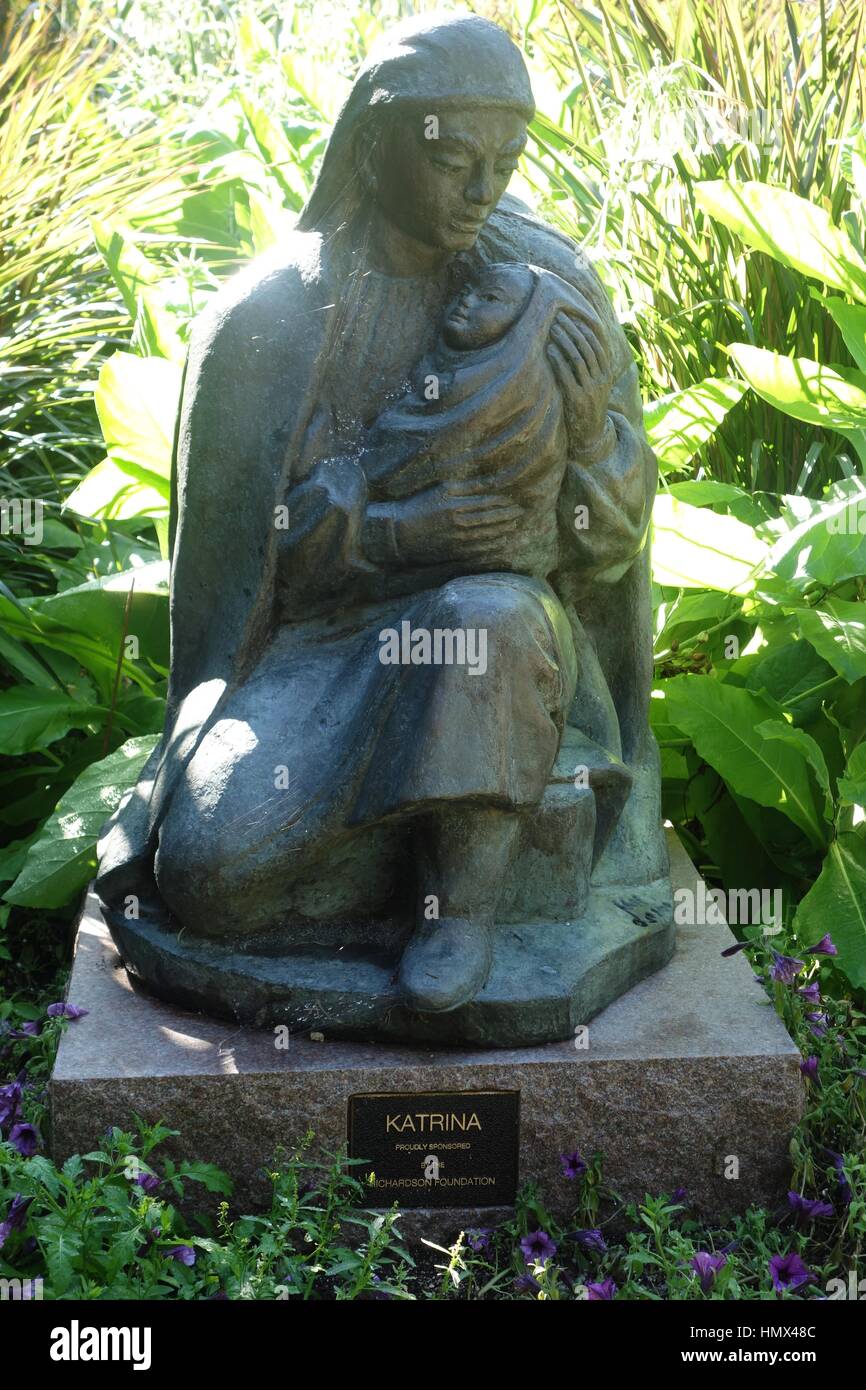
(440, 175)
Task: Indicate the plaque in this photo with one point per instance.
(437, 1148)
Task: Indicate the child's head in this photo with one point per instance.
(487, 307)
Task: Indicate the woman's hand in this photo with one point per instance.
(581, 365)
(451, 522)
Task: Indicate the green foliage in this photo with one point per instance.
(61, 859)
(104, 1226)
(759, 706)
(644, 105)
(712, 163)
(775, 723)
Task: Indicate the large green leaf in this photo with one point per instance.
(778, 731)
(33, 717)
(836, 903)
(690, 613)
(137, 401)
(833, 397)
(118, 491)
(56, 536)
(788, 671)
(838, 631)
(679, 423)
(852, 786)
(99, 608)
(828, 545)
(694, 548)
(40, 629)
(63, 858)
(20, 659)
(759, 756)
(731, 842)
(788, 228)
(752, 508)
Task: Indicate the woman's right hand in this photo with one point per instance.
(450, 522)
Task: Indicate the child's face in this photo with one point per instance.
(482, 312)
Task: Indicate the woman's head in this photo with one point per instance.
(431, 131)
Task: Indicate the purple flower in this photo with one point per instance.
(845, 1193)
(680, 1195)
(590, 1240)
(184, 1254)
(15, 1217)
(148, 1181)
(537, 1248)
(738, 946)
(10, 1097)
(706, 1267)
(478, 1241)
(809, 1068)
(817, 1024)
(31, 1029)
(789, 1272)
(807, 1209)
(784, 968)
(24, 1138)
(601, 1293)
(572, 1165)
(811, 993)
(824, 947)
(525, 1283)
(65, 1011)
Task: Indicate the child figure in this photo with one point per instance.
(485, 410)
(483, 311)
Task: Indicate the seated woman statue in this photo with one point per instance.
(409, 574)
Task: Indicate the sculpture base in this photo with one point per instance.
(548, 978)
(688, 1070)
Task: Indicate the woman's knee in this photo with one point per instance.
(492, 602)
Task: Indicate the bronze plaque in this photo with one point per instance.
(437, 1148)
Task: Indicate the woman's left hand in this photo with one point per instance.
(581, 364)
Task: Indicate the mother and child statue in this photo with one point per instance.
(407, 787)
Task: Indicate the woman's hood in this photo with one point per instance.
(428, 62)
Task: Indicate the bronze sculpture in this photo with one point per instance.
(412, 433)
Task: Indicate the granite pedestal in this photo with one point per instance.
(691, 1068)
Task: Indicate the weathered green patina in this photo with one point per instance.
(407, 786)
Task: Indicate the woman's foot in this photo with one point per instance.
(445, 964)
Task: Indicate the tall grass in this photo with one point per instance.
(68, 155)
(657, 94)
